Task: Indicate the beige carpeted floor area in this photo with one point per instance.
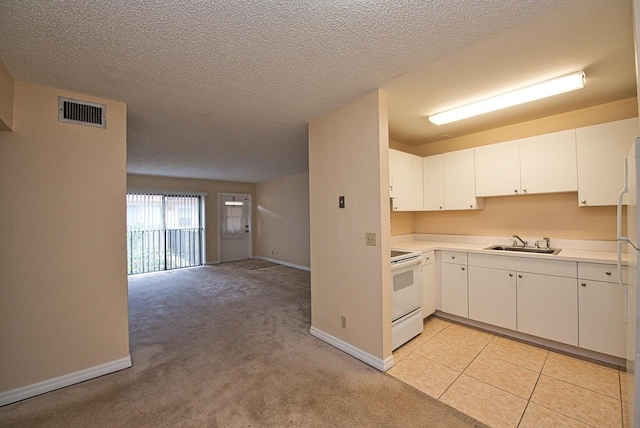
(223, 346)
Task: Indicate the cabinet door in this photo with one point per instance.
(433, 183)
(428, 289)
(492, 296)
(601, 150)
(548, 307)
(498, 169)
(401, 166)
(418, 183)
(601, 324)
(454, 290)
(459, 180)
(548, 163)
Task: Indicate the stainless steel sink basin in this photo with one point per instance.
(552, 251)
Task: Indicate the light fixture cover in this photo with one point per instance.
(544, 89)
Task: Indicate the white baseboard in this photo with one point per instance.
(280, 262)
(32, 390)
(365, 357)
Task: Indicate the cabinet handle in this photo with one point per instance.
(453, 257)
(440, 207)
(524, 190)
(608, 273)
(584, 202)
(519, 276)
(462, 268)
(515, 190)
(584, 284)
(470, 206)
(511, 275)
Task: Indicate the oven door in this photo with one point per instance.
(406, 288)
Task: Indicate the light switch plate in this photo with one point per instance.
(371, 239)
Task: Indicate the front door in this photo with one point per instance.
(234, 226)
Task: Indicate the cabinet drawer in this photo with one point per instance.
(522, 264)
(428, 257)
(454, 257)
(601, 272)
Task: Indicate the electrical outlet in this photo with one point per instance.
(370, 238)
(343, 322)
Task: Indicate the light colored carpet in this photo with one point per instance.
(228, 347)
(251, 264)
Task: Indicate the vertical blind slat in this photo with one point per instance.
(163, 232)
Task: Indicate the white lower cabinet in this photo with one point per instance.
(602, 309)
(492, 296)
(454, 293)
(428, 271)
(548, 307)
(575, 303)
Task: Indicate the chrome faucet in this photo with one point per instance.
(547, 240)
(516, 239)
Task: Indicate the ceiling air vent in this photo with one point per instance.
(82, 112)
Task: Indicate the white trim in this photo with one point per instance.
(34, 389)
(280, 262)
(365, 357)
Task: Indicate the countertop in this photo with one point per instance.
(567, 254)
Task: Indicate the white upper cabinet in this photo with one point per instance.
(459, 181)
(541, 164)
(601, 150)
(548, 163)
(498, 169)
(433, 185)
(405, 181)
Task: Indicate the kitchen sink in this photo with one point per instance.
(536, 250)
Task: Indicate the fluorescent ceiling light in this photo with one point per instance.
(551, 87)
(233, 203)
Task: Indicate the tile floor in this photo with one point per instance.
(506, 383)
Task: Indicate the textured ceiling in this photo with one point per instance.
(224, 90)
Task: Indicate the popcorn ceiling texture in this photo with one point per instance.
(224, 90)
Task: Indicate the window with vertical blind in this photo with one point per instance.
(164, 232)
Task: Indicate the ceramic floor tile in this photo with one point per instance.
(485, 403)
(625, 415)
(465, 336)
(582, 373)
(434, 325)
(425, 375)
(537, 416)
(405, 350)
(508, 377)
(446, 353)
(623, 385)
(578, 403)
(517, 353)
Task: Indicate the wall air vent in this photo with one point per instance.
(82, 112)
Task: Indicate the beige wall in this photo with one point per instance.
(348, 156)
(63, 279)
(6, 98)
(210, 187)
(283, 220)
(554, 215)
